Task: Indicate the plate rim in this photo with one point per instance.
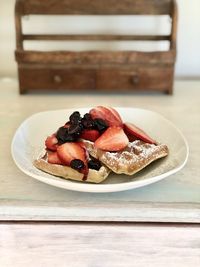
(98, 188)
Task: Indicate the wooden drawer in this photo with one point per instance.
(148, 78)
(57, 79)
(152, 78)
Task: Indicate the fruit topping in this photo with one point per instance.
(77, 164)
(87, 116)
(108, 114)
(81, 144)
(69, 151)
(100, 125)
(131, 129)
(113, 139)
(52, 157)
(75, 117)
(67, 124)
(87, 121)
(131, 137)
(94, 164)
(103, 126)
(75, 129)
(63, 135)
(116, 114)
(91, 135)
(51, 143)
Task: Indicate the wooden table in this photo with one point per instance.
(157, 225)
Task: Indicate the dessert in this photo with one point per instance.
(89, 147)
(135, 157)
(95, 175)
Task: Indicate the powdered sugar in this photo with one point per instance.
(133, 152)
(134, 157)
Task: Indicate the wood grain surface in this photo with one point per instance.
(97, 245)
(86, 7)
(95, 57)
(175, 199)
(149, 79)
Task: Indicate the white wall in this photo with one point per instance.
(188, 61)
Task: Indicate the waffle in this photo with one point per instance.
(136, 156)
(69, 173)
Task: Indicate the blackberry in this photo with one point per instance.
(67, 124)
(100, 125)
(75, 117)
(63, 136)
(87, 116)
(87, 121)
(87, 124)
(77, 164)
(94, 164)
(75, 129)
(70, 138)
(61, 133)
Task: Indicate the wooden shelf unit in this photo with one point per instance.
(108, 71)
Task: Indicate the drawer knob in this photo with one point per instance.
(135, 79)
(57, 79)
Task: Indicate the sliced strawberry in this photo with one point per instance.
(132, 130)
(131, 137)
(51, 142)
(80, 143)
(113, 139)
(90, 135)
(110, 115)
(85, 171)
(52, 157)
(115, 113)
(69, 151)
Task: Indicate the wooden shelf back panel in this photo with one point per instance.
(101, 7)
(95, 37)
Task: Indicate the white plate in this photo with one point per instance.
(30, 136)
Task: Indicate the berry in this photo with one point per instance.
(110, 115)
(87, 116)
(113, 139)
(94, 164)
(87, 121)
(131, 129)
(87, 124)
(52, 157)
(67, 124)
(100, 125)
(61, 134)
(115, 113)
(90, 135)
(51, 143)
(75, 117)
(77, 164)
(82, 145)
(69, 151)
(64, 136)
(131, 137)
(75, 129)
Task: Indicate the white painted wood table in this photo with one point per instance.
(66, 228)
